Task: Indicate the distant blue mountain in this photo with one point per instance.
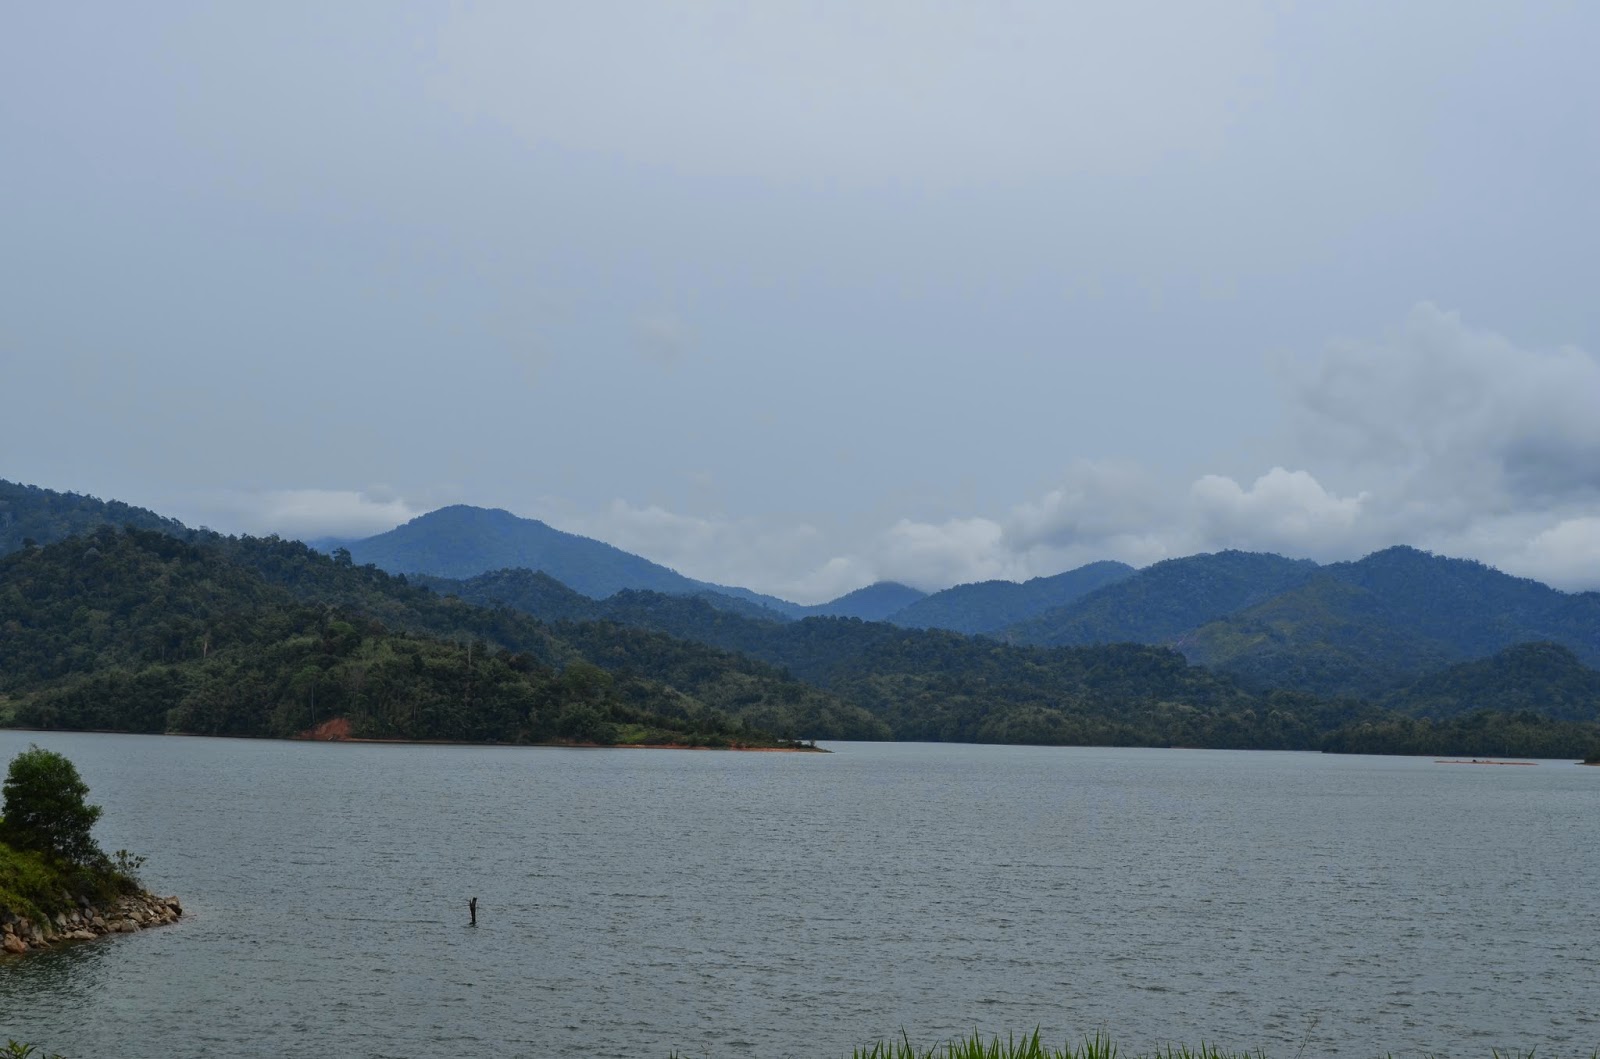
(463, 541)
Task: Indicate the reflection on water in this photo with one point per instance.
(632, 903)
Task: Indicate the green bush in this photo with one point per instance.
(44, 808)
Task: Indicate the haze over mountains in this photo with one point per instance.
(1356, 628)
(463, 541)
(1423, 635)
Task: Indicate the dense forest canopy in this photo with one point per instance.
(138, 631)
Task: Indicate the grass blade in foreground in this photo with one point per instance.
(1100, 1046)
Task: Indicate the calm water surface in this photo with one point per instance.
(633, 903)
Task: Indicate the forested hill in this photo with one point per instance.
(1162, 602)
(1325, 636)
(44, 516)
(1364, 629)
(875, 602)
(1475, 608)
(1374, 626)
(942, 686)
(140, 631)
(990, 606)
(1542, 678)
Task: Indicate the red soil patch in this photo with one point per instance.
(336, 730)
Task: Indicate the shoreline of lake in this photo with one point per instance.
(307, 737)
(86, 921)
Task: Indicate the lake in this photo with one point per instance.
(633, 903)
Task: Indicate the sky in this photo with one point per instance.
(801, 296)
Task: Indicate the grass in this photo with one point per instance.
(1099, 1046)
(29, 884)
(33, 885)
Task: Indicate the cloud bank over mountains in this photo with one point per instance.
(1439, 435)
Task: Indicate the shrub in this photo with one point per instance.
(44, 808)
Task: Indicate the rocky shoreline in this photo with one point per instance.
(87, 921)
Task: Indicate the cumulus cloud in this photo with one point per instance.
(1566, 555)
(1095, 502)
(1440, 435)
(1448, 412)
(969, 549)
(1282, 511)
(1461, 441)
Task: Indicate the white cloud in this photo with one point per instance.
(1460, 441)
(1095, 501)
(1441, 435)
(1456, 416)
(302, 513)
(934, 555)
(1283, 511)
(1566, 555)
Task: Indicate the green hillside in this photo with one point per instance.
(1542, 678)
(1161, 603)
(532, 591)
(1474, 608)
(138, 631)
(875, 602)
(44, 516)
(1374, 626)
(990, 606)
(941, 686)
(1326, 636)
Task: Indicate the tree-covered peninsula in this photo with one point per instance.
(56, 883)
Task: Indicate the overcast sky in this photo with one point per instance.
(800, 296)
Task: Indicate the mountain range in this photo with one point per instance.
(1366, 628)
(1418, 635)
(462, 541)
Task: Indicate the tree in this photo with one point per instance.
(44, 808)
